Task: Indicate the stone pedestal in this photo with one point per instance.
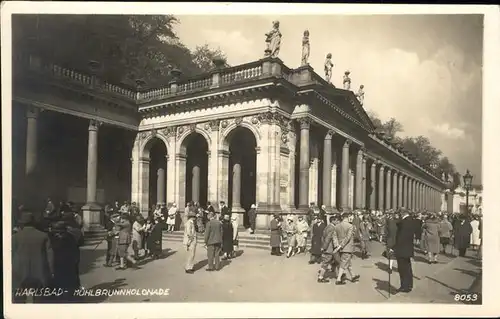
(92, 217)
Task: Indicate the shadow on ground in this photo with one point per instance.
(383, 287)
(89, 259)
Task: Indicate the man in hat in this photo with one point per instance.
(345, 235)
(275, 238)
(190, 241)
(112, 239)
(316, 240)
(310, 214)
(224, 210)
(213, 242)
(404, 251)
(330, 241)
(32, 257)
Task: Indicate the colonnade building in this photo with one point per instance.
(255, 133)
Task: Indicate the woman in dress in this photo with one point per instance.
(475, 241)
(291, 232)
(227, 237)
(235, 220)
(137, 229)
(172, 212)
(302, 231)
(431, 233)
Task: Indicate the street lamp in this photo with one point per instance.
(467, 185)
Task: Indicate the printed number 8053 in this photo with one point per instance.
(466, 297)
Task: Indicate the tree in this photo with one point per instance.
(127, 47)
(204, 55)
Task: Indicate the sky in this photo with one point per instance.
(423, 70)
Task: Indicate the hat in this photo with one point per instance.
(59, 226)
(253, 206)
(26, 218)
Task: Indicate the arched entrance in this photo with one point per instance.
(195, 147)
(155, 168)
(242, 170)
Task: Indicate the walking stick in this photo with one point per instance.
(390, 272)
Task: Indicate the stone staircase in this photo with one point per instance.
(259, 240)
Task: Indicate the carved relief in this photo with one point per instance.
(224, 123)
(154, 132)
(180, 130)
(238, 121)
(214, 125)
(304, 122)
(169, 131)
(192, 127)
(143, 135)
(255, 120)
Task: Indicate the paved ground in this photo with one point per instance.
(256, 276)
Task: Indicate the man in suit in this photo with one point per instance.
(32, 257)
(403, 249)
(189, 242)
(224, 210)
(345, 235)
(330, 241)
(213, 242)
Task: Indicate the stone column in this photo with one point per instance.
(327, 170)
(236, 204)
(213, 164)
(363, 183)
(160, 186)
(405, 192)
(91, 210)
(373, 190)
(31, 139)
(195, 183)
(344, 197)
(388, 182)
(359, 180)
(305, 124)
(400, 191)
(381, 177)
(395, 190)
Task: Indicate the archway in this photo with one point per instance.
(157, 153)
(242, 180)
(195, 147)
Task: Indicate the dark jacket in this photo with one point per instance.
(329, 239)
(317, 237)
(124, 236)
(275, 237)
(227, 236)
(32, 257)
(404, 238)
(462, 235)
(213, 232)
(391, 229)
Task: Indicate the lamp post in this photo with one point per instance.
(467, 185)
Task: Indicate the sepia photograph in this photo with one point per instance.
(162, 156)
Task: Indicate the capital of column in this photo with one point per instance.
(32, 112)
(304, 122)
(94, 125)
(347, 144)
(329, 134)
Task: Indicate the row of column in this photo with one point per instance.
(394, 190)
(91, 210)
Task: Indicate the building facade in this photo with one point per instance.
(259, 133)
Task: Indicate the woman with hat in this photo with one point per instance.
(431, 230)
(227, 237)
(252, 217)
(291, 232)
(275, 238)
(302, 231)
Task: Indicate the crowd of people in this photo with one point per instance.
(46, 247)
(333, 241)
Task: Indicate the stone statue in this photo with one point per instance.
(273, 40)
(347, 80)
(361, 94)
(328, 67)
(305, 48)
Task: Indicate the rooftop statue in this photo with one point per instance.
(305, 48)
(347, 80)
(328, 67)
(273, 40)
(361, 94)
